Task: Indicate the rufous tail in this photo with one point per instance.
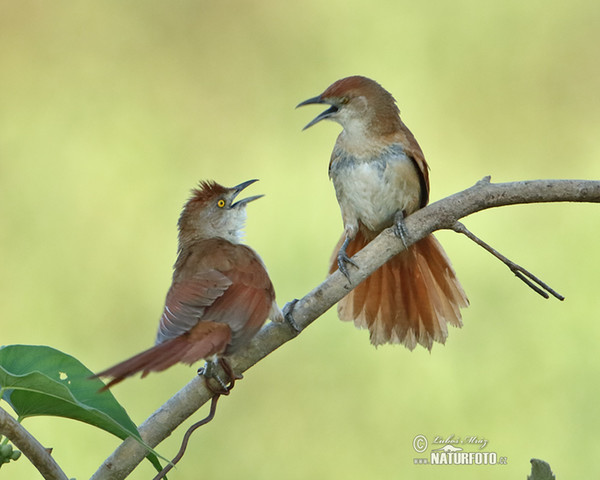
(408, 300)
(203, 341)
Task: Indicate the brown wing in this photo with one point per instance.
(217, 281)
(414, 152)
(187, 300)
(246, 304)
(220, 297)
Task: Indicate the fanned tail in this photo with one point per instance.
(409, 300)
(203, 341)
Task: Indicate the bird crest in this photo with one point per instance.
(206, 190)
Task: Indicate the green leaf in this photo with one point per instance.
(40, 380)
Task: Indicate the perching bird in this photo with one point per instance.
(221, 293)
(380, 176)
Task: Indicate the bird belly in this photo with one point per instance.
(373, 191)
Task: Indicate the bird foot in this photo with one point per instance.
(342, 260)
(288, 311)
(399, 228)
(209, 373)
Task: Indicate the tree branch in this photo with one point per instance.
(525, 276)
(31, 448)
(439, 215)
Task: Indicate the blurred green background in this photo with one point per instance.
(110, 112)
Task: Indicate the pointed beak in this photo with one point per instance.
(322, 116)
(236, 191)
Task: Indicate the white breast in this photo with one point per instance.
(373, 190)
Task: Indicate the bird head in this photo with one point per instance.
(359, 104)
(214, 211)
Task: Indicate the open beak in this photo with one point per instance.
(326, 114)
(236, 191)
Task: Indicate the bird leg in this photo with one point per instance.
(209, 372)
(399, 227)
(343, 258)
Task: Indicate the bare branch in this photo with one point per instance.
(31, 448)
(533, 282)
(439, 215)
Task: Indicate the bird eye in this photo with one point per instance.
(344, 100)
(221, 203)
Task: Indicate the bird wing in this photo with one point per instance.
(414, 152)
(187, 301)
(220, 282)
(246, 303)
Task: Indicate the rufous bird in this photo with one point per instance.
(380, 176)
(221, 293)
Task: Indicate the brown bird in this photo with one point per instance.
(380, 176)
(221, 293)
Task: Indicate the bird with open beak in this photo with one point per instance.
(220, 295)
(380, 176)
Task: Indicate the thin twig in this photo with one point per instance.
(36, 453)
(521, 273)
(188, 434)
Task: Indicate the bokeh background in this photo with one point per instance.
(110, 112)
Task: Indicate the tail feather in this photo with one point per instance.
(409, 300)
(444, 276)
(425, 301)
(387, 305)
(372, 304)
(203, 341)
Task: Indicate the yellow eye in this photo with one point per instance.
(221, 203)
(344, 100)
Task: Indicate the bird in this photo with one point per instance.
(220, 295)
(380, 176)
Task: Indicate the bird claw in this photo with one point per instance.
(342, 260)
(288, 310)
(399, 228)
(209, 372)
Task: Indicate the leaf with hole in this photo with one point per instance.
(39, 380)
